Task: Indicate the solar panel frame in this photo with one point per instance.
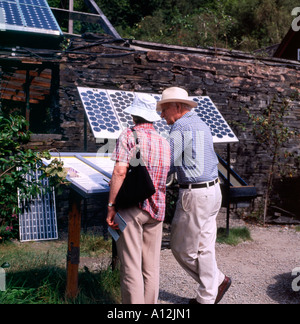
(38, 222)
(105, 112)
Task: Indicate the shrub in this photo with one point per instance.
(15, 162)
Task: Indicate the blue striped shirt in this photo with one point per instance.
(193, 157)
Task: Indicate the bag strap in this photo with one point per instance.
(137, 142)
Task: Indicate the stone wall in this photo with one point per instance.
(233, 80)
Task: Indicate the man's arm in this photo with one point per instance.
(177, 146)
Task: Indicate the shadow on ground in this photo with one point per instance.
(167, 297)
(282, 291)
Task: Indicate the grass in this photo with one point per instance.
(37, 273)
(297, 228)
(93, 245)
(236, 236)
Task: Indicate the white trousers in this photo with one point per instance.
(193, 238)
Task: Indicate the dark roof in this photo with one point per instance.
(288, 49)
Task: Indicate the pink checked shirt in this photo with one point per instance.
(155, 152)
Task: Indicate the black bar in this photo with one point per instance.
(228, 189)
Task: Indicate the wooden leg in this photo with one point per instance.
(73, 253)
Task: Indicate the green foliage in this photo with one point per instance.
(260, 23)
(235, 237)
(125, 13)
(237, 24)
(93, 245)
(37, 274)
(270, 130)
(15, 163)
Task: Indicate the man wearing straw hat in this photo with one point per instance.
(194, 227)
(140, 243)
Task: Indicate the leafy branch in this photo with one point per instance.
(15, 163)
(270, 130)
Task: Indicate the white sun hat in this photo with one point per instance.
(144, 106)
(176, 94)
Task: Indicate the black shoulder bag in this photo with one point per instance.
(138, 185)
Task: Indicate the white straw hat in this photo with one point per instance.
(175, 95)
(144, 106)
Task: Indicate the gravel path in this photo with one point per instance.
(261, 270)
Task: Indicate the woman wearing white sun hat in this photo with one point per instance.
(140, 243)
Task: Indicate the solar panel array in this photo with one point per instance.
(38, 222)
(28, 15)
(105, 112)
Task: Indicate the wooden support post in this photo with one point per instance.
(73, 253)
(27, 93)
(71, 8)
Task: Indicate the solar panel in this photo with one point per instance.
(38, 222)
(208, 112)
(33, 16)
(105, 112)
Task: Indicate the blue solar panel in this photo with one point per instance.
(39, 221)
(40, 3)
(105, 112)
(29, 16)
(9, 14)
(38, 17)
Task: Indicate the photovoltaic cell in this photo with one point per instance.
(41, 3)
(28, 15)
(9, 14)
(38, 17)
(209, 113)
(38, 222)
(105, 112)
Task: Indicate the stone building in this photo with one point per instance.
(234, 80)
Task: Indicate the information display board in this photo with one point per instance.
(85, 171)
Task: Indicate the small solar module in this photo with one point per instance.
(38, 222)
(105, 112)
(33, 16)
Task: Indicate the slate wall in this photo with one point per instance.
(233, 80)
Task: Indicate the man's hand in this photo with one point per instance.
(110, 219)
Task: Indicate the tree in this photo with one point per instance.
(126, 13)
(238, 24)
(270, 130)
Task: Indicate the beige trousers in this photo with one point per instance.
(193, 238)
(139, 252)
